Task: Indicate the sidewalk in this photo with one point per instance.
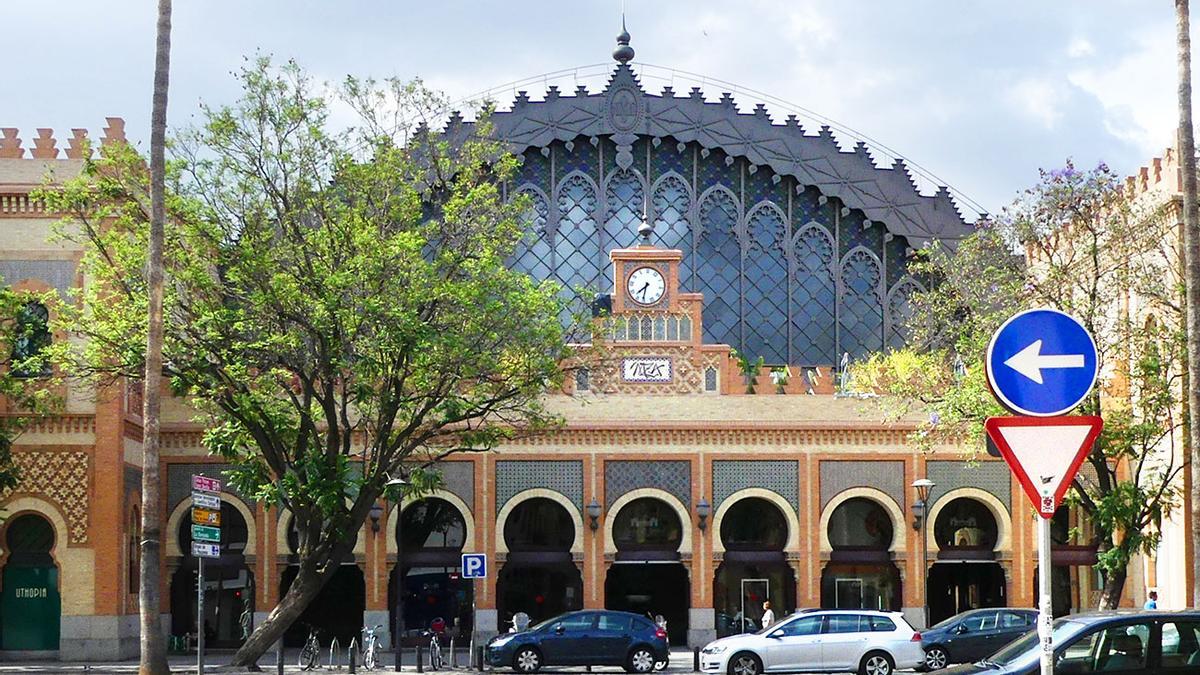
(681, 662)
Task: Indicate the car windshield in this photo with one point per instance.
(773, 626)
(547, 622)
(1026, 646)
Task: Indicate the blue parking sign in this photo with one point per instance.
(474, 565)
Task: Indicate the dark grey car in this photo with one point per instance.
(972, 635)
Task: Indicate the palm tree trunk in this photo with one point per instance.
(1191, 256)
(153, 654)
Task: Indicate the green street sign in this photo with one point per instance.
(206, 533)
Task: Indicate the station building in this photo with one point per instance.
(677, 486)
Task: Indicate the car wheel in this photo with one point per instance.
(936, 658)
(745, 663)
(641, 660)
(527, 660)
(876, 663)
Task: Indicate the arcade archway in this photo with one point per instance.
(965, 575)
(754, 569)
(860, 573)
(431, 535)
(30, 608)
(228, 584)
(647, 577)
(539, 576)
(337, 611)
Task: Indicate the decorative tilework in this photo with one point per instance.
(515, 476)
(459, 479)
(839, 476)
(993, 477)
(57, 273)
(674, 477)
(179, 481)
(781, 476)
(63, 478)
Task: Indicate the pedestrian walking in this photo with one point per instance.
(768, 616)
(1152, 603)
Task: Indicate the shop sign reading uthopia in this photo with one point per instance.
(646, 369)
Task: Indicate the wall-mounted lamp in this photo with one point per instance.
(703, 509)
(375, 513)
(923, 486)
(593, 511)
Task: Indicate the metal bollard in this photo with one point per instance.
(479, 658)
(695, 659)
(453, 661)
(352, 655)
(279, 658)
(420, 667)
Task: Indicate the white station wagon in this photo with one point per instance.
(823, 641)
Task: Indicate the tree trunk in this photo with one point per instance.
(308, 583)
(153, 653)
(1114, 585)
(1191, 256)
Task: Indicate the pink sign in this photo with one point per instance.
(206, 484)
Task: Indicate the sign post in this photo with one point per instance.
(1040, 364)
(474, 566)
(206, 543)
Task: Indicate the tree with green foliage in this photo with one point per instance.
(1073, 242)
(337, 307)
(28, 384)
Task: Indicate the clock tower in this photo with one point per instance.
(654, 334)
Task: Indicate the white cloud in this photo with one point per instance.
(1038, 98)
(1080, 47)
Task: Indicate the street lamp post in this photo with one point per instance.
(399, 623)
(920, 509)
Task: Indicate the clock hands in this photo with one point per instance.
(641, 292)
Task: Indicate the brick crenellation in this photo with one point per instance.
(45, 145)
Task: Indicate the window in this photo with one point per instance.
(32, 336)
(978, 622)
(1107, 650)
(431, 523)
(578, 621)
(615, 622)
(583, 380)
(710, 379)
(754, 524)
(881, 624)
(860, 524)
(843, 623)
(647, 523)
(133, 557)
(1013, 620)
(809, 625)
(1181, 645)
(966, 523)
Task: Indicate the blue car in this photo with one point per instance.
(586, 638)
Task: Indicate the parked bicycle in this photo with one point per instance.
(369, 649)
(437, 628)
(310, 654)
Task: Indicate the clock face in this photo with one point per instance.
(646, 286)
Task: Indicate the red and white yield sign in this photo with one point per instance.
(1044, 453)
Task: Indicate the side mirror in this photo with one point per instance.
(559, 630)
(775, 635)
(960, 629)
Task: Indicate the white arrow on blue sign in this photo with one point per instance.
(1041, 362)
(474, 565)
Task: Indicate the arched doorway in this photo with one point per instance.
(30, 609)
(965, 575)
(431, 535)
(538, 577)
(860, 573)
(228, 584)
(753, 532)
(337, 611)
(646, 577)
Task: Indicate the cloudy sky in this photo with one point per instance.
(981, 94)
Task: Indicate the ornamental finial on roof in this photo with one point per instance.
(623, 52)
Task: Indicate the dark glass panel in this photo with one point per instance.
(754, 524)
(432, 523)
(860, 523)
(860, 307)
(765, 286)
(813, 296)
(718, 268)
(539, 524)
(965, 523)
(647, 523)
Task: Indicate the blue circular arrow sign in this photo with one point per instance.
(1041, 362)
